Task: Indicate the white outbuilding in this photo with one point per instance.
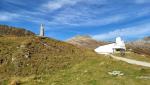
(111, 48)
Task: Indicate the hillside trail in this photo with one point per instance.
(132, 61)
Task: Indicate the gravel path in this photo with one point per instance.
(131, 61)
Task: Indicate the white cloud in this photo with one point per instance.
(57, 4)
(19, 2)
(77, 15)
(89, 13)
(144, 12)
(85, 16)
(107, 20)
(6, 16)
(142, 1)
(125, 32)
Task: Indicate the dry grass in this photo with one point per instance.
(44, 61)
(93, 71)
(33, 55)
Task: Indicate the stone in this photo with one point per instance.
(116, 73)
(14, 82)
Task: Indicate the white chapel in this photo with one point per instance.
(111, 48)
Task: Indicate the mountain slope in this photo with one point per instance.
(25, 56)
(44, 61)
(85, 41)
(147, 38)
(13, 31)
(140, 46)
(31, 60)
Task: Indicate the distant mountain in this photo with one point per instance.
(85, 41)
(14, 31)
(140, 46)
(147, 38)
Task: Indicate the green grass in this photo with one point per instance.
(44, 56)
(93, 71)
(61, 63)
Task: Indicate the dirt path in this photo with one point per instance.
(131, 61)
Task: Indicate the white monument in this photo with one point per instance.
(111, 48)
(42, 30)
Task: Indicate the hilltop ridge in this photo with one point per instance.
(6, 30)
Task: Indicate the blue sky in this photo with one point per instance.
(63, 19)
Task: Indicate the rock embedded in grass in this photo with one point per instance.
(116, 73)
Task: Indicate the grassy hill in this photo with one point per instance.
(13, 31)
(44, 61)
(31, 60)
(24, 56)
(34, 55)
